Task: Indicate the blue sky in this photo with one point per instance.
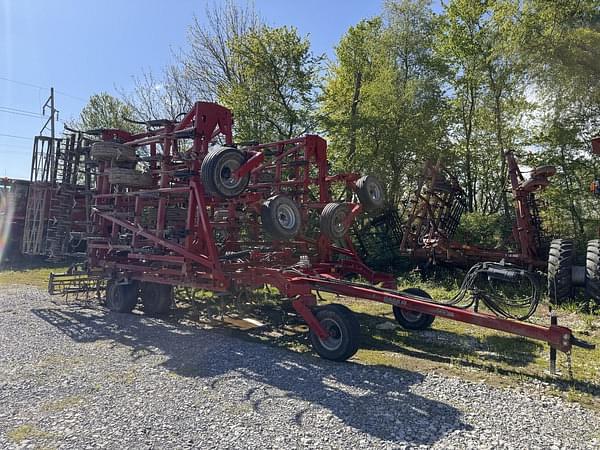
(82, 47)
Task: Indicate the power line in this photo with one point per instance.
(10, 108)
(17, 113)
(37, 86)
(15, 136)
(22, 83)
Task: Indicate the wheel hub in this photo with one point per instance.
(286, 217)
(227, 174)
(334, 340)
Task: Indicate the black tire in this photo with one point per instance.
(560, 263)
(107, 151)
(592, 270)
(130, 178)
(121, 298)
(156, 298)
(217, 170)
(411, 320)
(332, 221)
(370, 193)
(344, 329)
(281, 217)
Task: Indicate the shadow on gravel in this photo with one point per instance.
(374, 399)
(448, 347)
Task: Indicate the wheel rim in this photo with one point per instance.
(338, 226)
(336, 336)
(286, 217)
(226, 174)
(411, 316)
(374, 192)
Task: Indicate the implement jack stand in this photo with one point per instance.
(553, 321)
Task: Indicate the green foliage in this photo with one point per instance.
(487, 230)
(383, 102)
(105, 111)
(274, 93)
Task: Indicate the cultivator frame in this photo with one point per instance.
(232, 218)
(59, 198)
(435, 210)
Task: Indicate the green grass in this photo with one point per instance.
(37, 277)
(27, 432)
(62, 404)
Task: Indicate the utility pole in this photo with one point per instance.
(52, 122)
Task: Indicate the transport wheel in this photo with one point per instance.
(333, 220)
(370, 193)
(281, 217)
(560, 263)
(411, 320)
(121, 297)
(592, 270)
(344, 333)
(129, 178)
(107, 151)
(156, 298)
(217, 172)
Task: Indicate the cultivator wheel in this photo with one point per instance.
(592, 270)
(560, 264)
(281, 217)
(333, 222)
(112, 151)
(411, 320)
(121, 298)
(344, 332)
(156, 298)
(370, 193)
(218, 173)
(129, 178)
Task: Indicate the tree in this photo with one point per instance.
(383, 103)
(161, 98)
(274, 92)
(267, 76)
(209, 63)
(105, 111)
(480, 42)
(562, 51)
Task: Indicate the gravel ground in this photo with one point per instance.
(76, 377)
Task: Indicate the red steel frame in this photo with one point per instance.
(186, 253)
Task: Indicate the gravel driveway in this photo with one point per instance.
(75, 377)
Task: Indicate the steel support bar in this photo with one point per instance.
(558, 337)
(200, 259)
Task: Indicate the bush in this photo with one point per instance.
(486, 230)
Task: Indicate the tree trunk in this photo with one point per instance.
(353, 114)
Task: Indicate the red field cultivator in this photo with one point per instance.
(182, 205)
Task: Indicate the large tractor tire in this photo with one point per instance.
(560, 267)
(592, 270)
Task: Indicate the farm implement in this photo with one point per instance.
(182, 205)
